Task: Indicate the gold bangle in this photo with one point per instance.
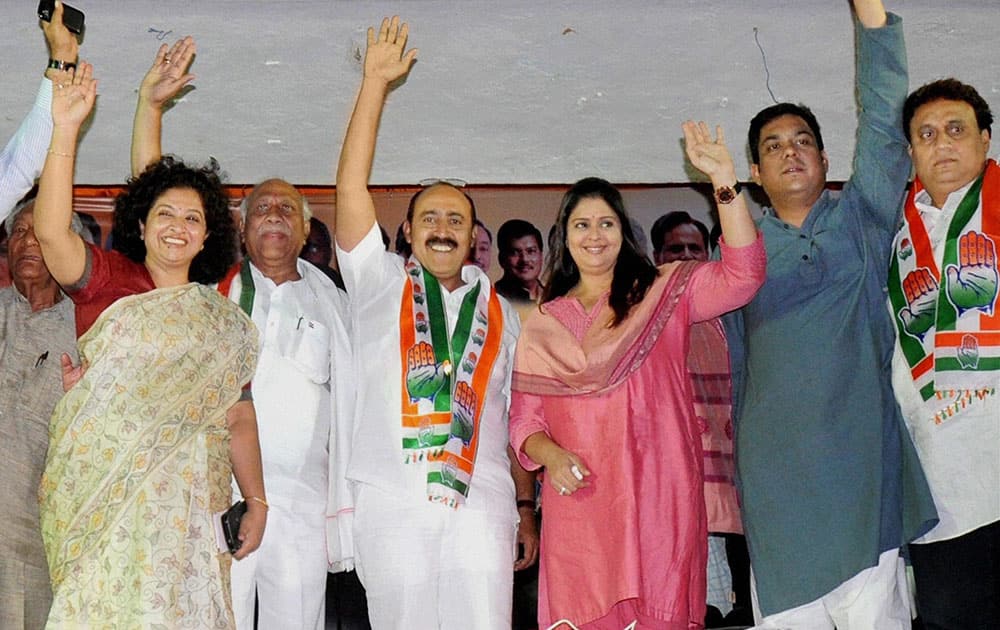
(61, 154)
(260, 500)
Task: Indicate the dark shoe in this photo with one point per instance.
(713, 618)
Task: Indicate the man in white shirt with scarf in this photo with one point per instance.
(435, 516)
(946, 366)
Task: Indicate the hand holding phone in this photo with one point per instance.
(73, 18)
(227, 527)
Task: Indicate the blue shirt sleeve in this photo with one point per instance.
(881, 160)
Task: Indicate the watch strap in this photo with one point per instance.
(56, 64)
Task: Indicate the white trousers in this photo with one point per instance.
(287, 573)
(425, 566)
(876, 598)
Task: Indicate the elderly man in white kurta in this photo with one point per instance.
(302, 389)
(302, 373)
(435, 515)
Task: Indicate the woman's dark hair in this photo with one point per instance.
(133, 205)
(634, 272)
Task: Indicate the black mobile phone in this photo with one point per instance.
(72, 17)
(231, 519)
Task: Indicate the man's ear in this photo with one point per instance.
(986, 140)
(407, 229)
(142, 229)
(826, 161)
(472, 242)
(755, 173)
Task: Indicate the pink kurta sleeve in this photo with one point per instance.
(526, 418)
(724, 285)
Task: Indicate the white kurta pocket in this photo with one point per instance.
(307, 346)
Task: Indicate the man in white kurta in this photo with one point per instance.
(302, 372)
(408, 549)
(302, 389)
(946, 372)
(432, 552)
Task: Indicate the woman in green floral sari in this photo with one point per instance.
(143, 446)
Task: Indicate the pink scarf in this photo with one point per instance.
(561, 365)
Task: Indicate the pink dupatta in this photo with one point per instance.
(558, 364)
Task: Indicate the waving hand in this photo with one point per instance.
(168, 75)
(385, 58)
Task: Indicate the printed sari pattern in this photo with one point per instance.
(139, 461)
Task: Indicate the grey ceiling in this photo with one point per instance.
(503, 92)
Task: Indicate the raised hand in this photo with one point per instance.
(921, 291)
(168, 74)
(709, 155)
(63, 45)
(72, 101)
(871, 13)
(973, 282)
(385, 58)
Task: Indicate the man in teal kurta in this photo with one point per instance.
(828, 477)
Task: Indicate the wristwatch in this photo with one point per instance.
(726, 194)
(56, 64)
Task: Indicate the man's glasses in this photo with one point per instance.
(451, 181)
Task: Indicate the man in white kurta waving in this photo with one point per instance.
(435, 515)
(302, 390)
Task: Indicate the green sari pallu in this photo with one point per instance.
(138, 462)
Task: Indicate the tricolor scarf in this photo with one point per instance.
(444, 379)
(247, 292)
(247, 288)
(948, 324)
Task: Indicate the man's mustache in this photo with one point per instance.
(274, 228)
(435, 240)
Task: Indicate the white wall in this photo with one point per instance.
(510, 91)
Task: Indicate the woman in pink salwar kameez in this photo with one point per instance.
(602, 400)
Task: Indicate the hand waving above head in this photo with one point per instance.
(709, 155)
(385, 58)
(168, 75)
(62, 43)
(73, 100)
